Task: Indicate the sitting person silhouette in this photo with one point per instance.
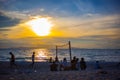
(82, 64)
(73, 63)
(53, 66)
(97, 65)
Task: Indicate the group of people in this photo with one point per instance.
(75, 64)
(12, 60)
(64, 65)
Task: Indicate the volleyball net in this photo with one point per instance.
(63, 51)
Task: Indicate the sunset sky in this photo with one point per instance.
(86, 23)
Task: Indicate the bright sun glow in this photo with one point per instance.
(41, 26)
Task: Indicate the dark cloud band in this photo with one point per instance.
(7, 21)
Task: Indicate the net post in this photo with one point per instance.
(70, 50)
(56, 58)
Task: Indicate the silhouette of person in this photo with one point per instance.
(56, 59)
(33, 58)
(50, 60)
(77, 64)
(82, 64)
(97, 65)
(64, 64)
(73, 63)
(53, 66)
(12, 60)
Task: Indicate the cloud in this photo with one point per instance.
(84, 6)
(86, 23)
(83, 26)
(100, 37)
(26, 42)
(12, 18)
(10, 21)
(6, 21)
(3, 29)
(94, 41)
(99, 6)
(15, 14)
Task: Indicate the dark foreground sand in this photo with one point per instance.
(41, 71)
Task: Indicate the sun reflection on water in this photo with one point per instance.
(41, 54)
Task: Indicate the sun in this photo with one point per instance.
(41, 26)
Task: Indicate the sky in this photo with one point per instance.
(86, 23)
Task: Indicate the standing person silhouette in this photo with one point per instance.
(12, 60)
(33, 59)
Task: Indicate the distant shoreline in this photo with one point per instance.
(63, 48)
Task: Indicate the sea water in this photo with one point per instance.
(108, 55)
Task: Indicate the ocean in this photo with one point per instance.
(108, 55)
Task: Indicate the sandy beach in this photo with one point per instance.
(41, 71)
